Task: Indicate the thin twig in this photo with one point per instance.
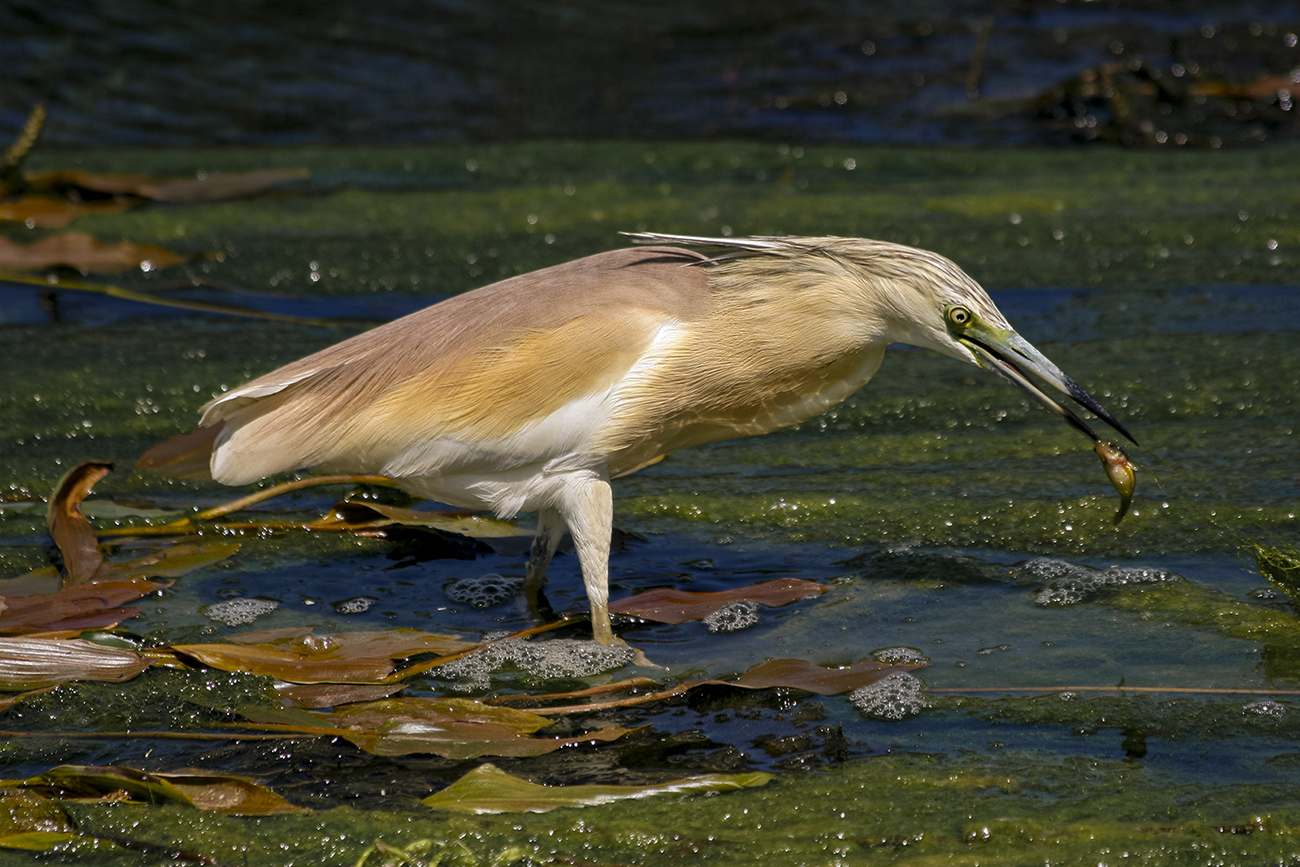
(174, 736)
(252, 499)
(1205, 690)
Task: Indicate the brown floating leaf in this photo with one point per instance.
(220, 793)
(291, 667)
(211, 186)
(69, 528)
(44, 212)
(318, 695)
(453, 728)
(668, 605)
(34, 663)
(488, 789)
(383, 644)
(71, 605)
(85, 253)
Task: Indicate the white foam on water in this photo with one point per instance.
(893, 698)
(733, 617)
(234, 612)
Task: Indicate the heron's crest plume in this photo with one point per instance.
(937, 279)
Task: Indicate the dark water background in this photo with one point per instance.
(335, 71)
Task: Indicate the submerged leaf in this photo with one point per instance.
(800, 674)
(85, 253)
(668, 605)
(33, 663)
(488, 789)
(220, 793)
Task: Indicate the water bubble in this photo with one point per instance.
(234, 612)
(892, 698)
(355, 605)
(561, 657)
(900, 655)
(1266, 707)
(485, 591)
(733, 617)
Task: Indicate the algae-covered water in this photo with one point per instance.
(949, 516)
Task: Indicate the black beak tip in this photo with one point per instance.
(1088, 401)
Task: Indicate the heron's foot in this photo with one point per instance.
(538, 607)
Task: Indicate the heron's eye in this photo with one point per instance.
(958, 315)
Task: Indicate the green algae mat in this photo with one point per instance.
(1071, 692)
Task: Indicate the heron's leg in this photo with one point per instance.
(588, 509)
(550, 527)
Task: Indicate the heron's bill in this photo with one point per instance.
(1005, 353)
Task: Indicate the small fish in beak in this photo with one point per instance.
(1119, 469)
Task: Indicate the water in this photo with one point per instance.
(950, 518)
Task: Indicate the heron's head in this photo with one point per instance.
(907, 295)
(937, 305)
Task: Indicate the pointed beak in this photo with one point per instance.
(1008, 354)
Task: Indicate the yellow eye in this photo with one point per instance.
(958, 315)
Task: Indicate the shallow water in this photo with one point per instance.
(949, 516)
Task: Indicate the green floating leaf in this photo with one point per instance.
(668, 605)
(37, 841)
(488, 789)
(34, 663)
(219, 793)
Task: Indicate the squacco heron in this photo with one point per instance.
(531, 394)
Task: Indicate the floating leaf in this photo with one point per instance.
(33, 663)
(668, 605)
(488, 789)
(69, 528)
(46, 212)
(211, 186)
(453, 728)
(37, 841)
(385, 643)
(220, 793)
(291, 667)
(318, 695)
(71, 605)
(170, 562)
(85, 253)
